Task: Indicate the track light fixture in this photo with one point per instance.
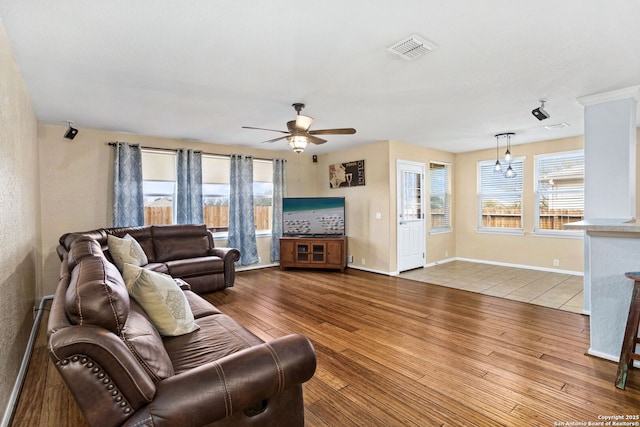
(71, 132)
(540, 112)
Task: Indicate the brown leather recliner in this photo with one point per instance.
(185, 251)
(122, 372)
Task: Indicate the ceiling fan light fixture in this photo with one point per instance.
(297, 143)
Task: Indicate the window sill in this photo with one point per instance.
(224, 235)
(559, 234)
(434, 231)
(506, 231)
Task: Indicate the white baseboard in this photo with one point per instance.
(17, 387)
(601, 355)
(256, 267)
(371, 270)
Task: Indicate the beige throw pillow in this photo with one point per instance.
(161, 298)
(126, 251)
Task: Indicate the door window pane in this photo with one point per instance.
(412, 197)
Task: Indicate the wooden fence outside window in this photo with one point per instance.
(216, 217)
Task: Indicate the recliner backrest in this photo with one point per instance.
(180, 241)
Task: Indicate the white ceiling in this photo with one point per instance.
(201, 69)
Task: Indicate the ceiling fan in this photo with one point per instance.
(299, 134)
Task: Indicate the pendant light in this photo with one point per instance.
(509, 172)
(507, 154)
(498, 167)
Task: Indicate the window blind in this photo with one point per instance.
(559, 189)
(440, 197)
(499, 197)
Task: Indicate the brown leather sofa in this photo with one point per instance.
(122, 372)
(184, 251)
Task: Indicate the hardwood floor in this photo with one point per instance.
(396, 352)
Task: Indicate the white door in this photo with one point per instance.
(410, 220)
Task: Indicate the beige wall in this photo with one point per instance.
(371, 239)
(368, 238)
(438, 246)
(524, 249)
(20, 219)
(77, 180)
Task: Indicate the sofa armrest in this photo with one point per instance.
(229, 257)
(101, 373)
(231, 384)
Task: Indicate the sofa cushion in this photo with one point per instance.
(173, 242)
(97, 295)
(145, 343)
(219, 336)
(126, 250)
(162, 300)
(200, 266)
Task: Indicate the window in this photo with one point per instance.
(158, 186)
(559, 192)
(500, 198)
(215, 192)
(440, 197)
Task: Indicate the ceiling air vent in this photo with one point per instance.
(412, 47)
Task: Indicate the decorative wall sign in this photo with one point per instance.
(350, 174)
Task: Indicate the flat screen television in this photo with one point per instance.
(313, 216)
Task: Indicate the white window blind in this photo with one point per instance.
(559, 189)
(499, 197)
(440, 197)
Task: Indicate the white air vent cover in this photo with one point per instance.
(412, 47)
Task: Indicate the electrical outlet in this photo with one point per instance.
(350, 258)
(363, 262)
(446, 253)
(556, 262)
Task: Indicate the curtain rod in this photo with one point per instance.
(173, 150)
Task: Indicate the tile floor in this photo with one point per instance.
(556, 290)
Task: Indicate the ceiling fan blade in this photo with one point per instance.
(303, 123)
(316, 140)
(342, 131)
(272, 130)
(275, 139)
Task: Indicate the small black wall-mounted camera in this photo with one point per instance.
(71, 133)
(540, 112)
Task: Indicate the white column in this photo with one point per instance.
(610, 121)
(610, 153)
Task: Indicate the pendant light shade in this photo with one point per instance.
(509, 173)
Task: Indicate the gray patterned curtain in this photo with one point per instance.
(279, 191)
(128, 197)
(242, 229)
(189, 191)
